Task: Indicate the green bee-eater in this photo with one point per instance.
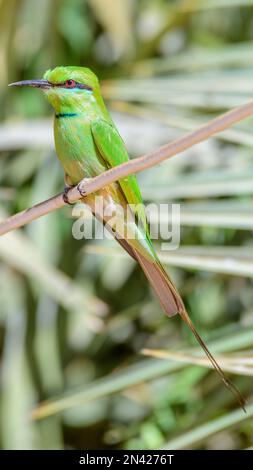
(87, 144)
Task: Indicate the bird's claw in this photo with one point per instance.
(68, 188)
(81, 191)
(65, 195)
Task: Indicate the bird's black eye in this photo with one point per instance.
(70, 84)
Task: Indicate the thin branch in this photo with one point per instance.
(214, 126)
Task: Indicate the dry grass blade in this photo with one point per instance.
(230, 215)
(235, 135)
(236, 55)
(237, 365)
(219, 261)
(218, 264)
(203, 184)
(210, 4)
(26, 134)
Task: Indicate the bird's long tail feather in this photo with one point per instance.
(173, 304)
(171, 300)
(162, 285)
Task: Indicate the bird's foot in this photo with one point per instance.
(65, 195)
(80, 188)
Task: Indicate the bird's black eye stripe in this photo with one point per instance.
(83, 86)
(77, 85)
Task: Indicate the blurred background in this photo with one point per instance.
(76, 315)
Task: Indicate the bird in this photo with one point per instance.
(87, 144)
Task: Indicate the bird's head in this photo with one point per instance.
(67, 88)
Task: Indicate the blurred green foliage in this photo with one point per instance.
(75, 315)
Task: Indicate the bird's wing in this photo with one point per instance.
(112, 149)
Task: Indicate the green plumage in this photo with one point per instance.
(87, 144)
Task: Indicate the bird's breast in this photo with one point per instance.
(75, 147)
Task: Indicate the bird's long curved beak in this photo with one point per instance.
(34, 83)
